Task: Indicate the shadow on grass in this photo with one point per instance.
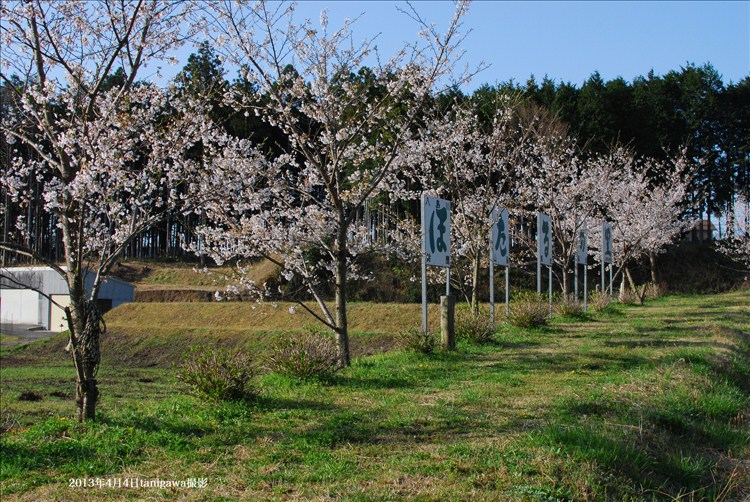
(613, 312)
(22, 458)
(380, 427)
(516, 345)
(662, 442)
(373, 383)
(663, 451)
(411, 370)
(69, 448)
(566, 361)
(733, 366)
(663, 331)
(171, 425)
(717, 315)
(634, 344)
(267, 404)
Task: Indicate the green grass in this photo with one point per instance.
(645, 403)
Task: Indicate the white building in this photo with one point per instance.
(19, 305)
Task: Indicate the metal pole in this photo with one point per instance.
(492, 290)
(538, 259)
(538, 276)
(507, 291)
(575, 264)
(585, 288)
(424, 266)
(610, 279)
(603, 272)
(447, 281)
(549, 270)
(424, 293)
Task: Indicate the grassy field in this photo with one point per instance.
(638, 404)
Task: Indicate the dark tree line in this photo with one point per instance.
(689, 108)
(656, 115)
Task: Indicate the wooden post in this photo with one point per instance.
(448, 322)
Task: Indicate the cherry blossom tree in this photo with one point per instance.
(458, 158)
(345, 125)
(555, 181)
(643, 198)
(553, 178)
(112, 152)
(645, 204)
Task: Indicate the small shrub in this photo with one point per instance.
(568, 306)
(528, 310)
(600, 301)
(313, 353)
(475, 328)
(628, 297)
(417, 340)
(218, 373)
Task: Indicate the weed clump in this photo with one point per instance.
(628, 297)
(416, 340)
(600, 301)
(218, 374)
(568, 306)
(528, 310)
(474, 327)
(311, 354)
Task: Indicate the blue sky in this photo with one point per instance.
(570, 40)
(567, 40)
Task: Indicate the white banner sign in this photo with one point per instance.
(607, 243)
(544, 238)
(500, 237)
(436, 231)
(582, 255)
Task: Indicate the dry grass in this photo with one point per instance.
(259, 317)
(158, 276)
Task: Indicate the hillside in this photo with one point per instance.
(159, 281)
(158, 334)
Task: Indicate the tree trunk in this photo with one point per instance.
(342, 328)
(639, 294)
(84, 341)
(652, 264)
(475, 286)
(85, 324)
(87, 395)
(200, 241)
